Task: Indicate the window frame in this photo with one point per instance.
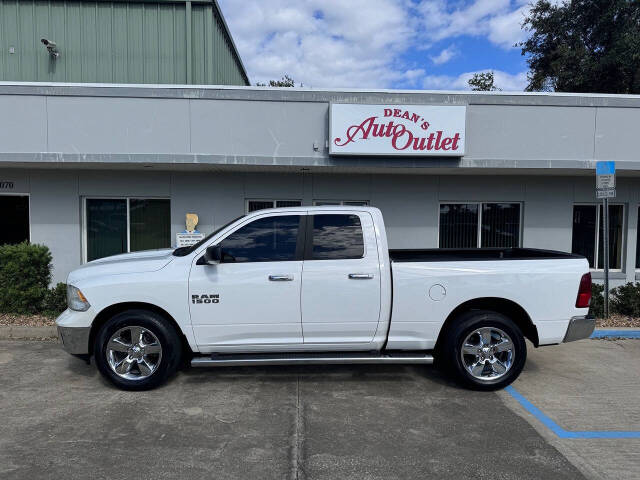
(272, 200)
(114, 197)
(479, 204)
(21, 194)
(637, 212)
(340, 203)
(623, 243)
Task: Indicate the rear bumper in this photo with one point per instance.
(579, 328)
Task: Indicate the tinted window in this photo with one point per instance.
(15, 219)
(500, 225)
(149, 224)
(106, 227)
(337, 237)
(270, 239)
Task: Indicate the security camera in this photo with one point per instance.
(51, 47)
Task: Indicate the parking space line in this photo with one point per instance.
(557, 429)
(616, 334)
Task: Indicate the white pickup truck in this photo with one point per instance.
(318, 285)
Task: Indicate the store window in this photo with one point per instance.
(587, 238)
(253, 205)
(348, 203)
(479, 225)
(120, 225)
(15, 219)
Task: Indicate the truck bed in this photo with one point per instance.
(476, 254)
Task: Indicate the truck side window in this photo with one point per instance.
(337, 237)
(269, 239)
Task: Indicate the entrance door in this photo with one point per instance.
(340, 279)
(252, 298)
(15, 219)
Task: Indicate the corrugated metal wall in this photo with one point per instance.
(119, 42)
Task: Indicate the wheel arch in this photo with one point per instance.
(506, 307)
(108, 312)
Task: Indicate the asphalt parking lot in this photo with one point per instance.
(61, 420)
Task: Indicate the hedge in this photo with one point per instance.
(623, 300)
(25, 275)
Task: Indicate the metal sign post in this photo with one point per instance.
(605, 235)
(606, 189)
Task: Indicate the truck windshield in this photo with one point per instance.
(182, 251)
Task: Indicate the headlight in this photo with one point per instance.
(76, 300)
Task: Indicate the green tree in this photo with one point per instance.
(483, 82)
(584, 46)
(285, 81)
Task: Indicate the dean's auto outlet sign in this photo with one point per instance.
(412, 130)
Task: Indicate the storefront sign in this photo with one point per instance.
(190, 236)
(416, 130)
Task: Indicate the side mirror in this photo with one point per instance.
(213, 255)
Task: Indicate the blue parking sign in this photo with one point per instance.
(605, 168)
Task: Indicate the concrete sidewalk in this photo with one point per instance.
(591, 385)
(61, 420)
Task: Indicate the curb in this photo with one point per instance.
(18, 332)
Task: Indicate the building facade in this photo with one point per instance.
(93, 170)
(145, 41)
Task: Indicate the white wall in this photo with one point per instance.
(409, 202)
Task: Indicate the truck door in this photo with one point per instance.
(251, 298)
(340, 279)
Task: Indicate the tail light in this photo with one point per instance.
(584, 292)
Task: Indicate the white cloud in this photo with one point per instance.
(498, 20)
(327, 43)
(445, 55)
(503, 80)
(360, 43)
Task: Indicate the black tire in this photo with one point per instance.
(457, 333)
(166, 335)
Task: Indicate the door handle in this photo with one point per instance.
(281, 278)
(360, 276)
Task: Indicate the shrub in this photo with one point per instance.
(25, 274)
(597, 300)
(55, 301)
(625, 300)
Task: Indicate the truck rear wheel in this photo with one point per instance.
(484, 350)
(137, 350)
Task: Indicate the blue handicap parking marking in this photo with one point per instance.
(558, 430)
(616, 334)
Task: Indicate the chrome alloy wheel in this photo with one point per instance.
(487, 353)
(134, 353)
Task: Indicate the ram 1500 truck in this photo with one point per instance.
(318, 285)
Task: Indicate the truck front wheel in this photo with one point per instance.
(137, 350)
(484, 350)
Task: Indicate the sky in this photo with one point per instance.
(404, 44)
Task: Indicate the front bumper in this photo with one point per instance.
(579, 328)
(73, 330)
(75, 340)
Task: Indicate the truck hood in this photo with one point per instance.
(138, 262)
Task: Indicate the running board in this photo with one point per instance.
(245, 360)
